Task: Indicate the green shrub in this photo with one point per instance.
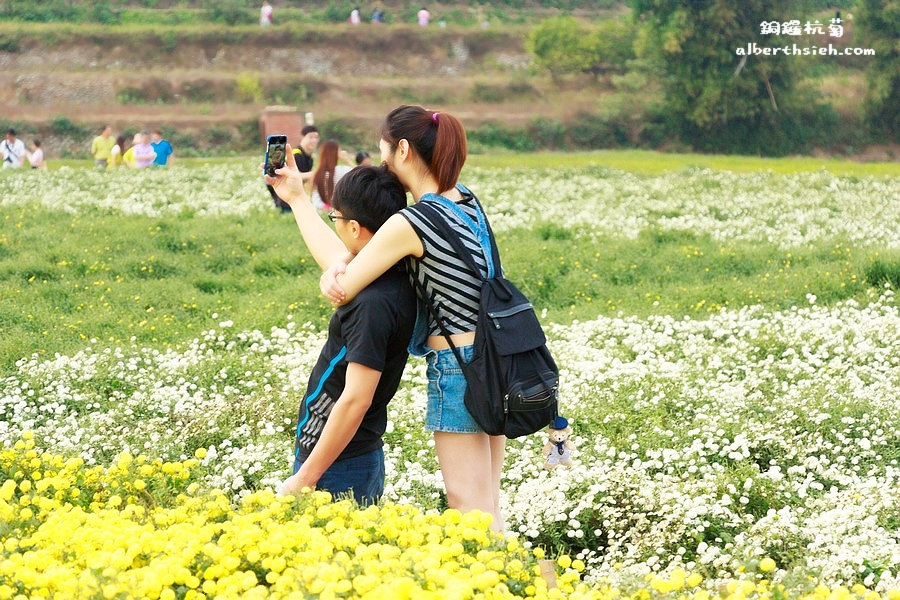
(590, 131)
(200, 90)
(102, 13)
(218, 137)
(497, 136)
(8, 43)
(63, 127)
(882, 271)
(249, 88)
(562, 45)
(288, 92)
(548, 133)
(230, 12)
(347, 133)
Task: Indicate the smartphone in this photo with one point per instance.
(276, 146)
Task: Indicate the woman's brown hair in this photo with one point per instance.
(437, 137)
(323, 180)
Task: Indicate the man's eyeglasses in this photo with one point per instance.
(335, 217)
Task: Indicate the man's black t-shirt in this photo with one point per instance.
(304, 161)
(372, 330)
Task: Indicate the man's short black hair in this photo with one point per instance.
(10, 131)
(308, 129)
(369, 195)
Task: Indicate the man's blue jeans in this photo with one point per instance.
(362, 476)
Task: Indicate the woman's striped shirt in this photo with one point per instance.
(454, 289)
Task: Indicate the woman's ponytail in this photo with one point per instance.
(450, 147)
(438, 138)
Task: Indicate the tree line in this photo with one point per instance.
(726, 81)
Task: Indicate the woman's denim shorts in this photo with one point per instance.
(446, 388)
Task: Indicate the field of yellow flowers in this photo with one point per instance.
(748, 452)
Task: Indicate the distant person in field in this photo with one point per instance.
(36, 156)
(266, 15)
(354, 17)
(424, 17)
(144, 155)
(377, 16)
(343, 414)
(128, 156)
(101, 147)
(165, 154)
(12, 150)
(303, 157)
(327, 174)
(117, 154)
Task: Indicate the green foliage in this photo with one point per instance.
(230, 12)
(249, 88)
(42, 12)
(879, 25)
(613, 41)
(717, 95)
(8, 43)
(883, 271)
(101, 12)
(350, 134)
(548, 133)
(506, 92)
(495, 135)
(562, 45)
(63, 127)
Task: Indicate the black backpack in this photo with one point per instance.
(512, 380)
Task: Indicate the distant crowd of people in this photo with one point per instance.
(146, 149)
(423, 16)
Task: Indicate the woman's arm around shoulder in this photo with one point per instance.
(396, 239)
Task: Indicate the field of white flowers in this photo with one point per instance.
(786, 210)
(704, 445)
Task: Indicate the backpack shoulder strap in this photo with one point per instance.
(434, 315)
(495, 252)
(464, 253)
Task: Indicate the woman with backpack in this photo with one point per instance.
(426, 150)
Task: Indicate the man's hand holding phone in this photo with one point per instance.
(286, 181)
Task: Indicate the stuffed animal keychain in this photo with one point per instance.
(558, 448)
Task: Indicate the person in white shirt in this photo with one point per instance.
(424, 17)
(266, 13)
(36, 157)
(12, 150)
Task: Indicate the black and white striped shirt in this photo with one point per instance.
(454, 290)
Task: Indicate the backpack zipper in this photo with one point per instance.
(496, 316)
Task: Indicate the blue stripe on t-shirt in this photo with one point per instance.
(315, 394)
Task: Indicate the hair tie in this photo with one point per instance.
(434, 117)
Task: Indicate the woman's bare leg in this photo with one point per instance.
(498, 454)
(468, 466)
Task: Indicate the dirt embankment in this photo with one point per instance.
(201, 78)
